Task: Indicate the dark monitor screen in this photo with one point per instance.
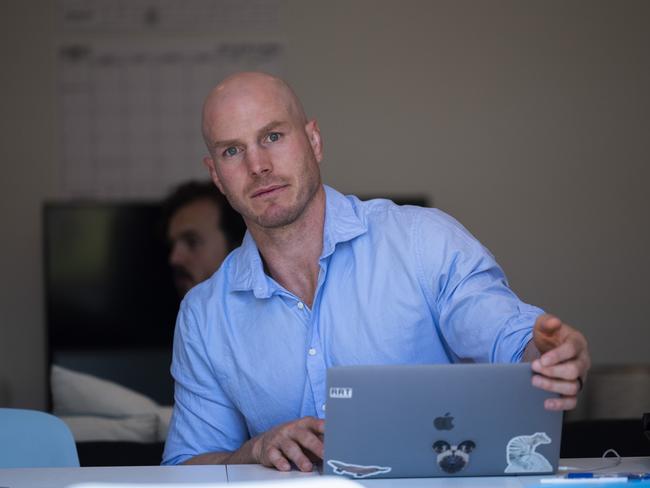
(111, 301)
(108, 284)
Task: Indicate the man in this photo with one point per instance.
(320, 280)
(201, 228)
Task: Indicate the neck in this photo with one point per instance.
(291, 253)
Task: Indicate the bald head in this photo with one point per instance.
(238, 90)
(264, 153)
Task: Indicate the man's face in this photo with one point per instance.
(264, 155)
(198, 245)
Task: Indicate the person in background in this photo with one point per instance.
(201, 228)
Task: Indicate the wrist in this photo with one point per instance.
(255, 449)
(531, 352)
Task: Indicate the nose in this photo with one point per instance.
(176, 255)
(259, 161)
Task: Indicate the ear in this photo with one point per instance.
(440, 446)
(209, 163)
(315, 141)
(466, 446)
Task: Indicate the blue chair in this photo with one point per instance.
(33, 439)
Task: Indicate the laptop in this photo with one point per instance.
(438, 420)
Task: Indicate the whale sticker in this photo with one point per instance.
(357, 470)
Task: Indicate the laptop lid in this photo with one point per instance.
(438, 420)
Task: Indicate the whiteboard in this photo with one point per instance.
(132, 76)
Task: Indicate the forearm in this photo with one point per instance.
(243, 455)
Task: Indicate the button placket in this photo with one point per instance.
(316, 367)
(317, 371)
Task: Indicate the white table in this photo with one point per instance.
(61, 477)
(250, 472)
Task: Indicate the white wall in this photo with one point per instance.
(528, 121)
(28, 146)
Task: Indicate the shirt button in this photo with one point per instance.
(312, 352)
(301, 305)
(323, 407)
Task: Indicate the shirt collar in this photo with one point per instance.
(341, 224)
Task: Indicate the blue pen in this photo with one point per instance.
(629, 476)
(598, 478)
(582, 481)
(638, 476)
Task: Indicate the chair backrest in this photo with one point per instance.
(30, 439)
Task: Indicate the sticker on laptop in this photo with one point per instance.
(522, 457)
(340, 392)
(453, 458)
(357, 470)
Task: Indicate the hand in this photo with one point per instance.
(564, 361)
(291, 442)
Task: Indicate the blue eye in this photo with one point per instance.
(231, 151)
(274, 136)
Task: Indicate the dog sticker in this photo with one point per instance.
(451, 458)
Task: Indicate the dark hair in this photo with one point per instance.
(231, 222)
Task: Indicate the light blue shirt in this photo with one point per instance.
(397, 285)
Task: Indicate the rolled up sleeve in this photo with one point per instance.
(204, 419)
(478, 315)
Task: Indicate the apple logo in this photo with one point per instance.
(444, 423)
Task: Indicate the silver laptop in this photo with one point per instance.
(438, 420)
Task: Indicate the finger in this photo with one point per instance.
(548, 324)
(548, 333)
(562, 403)
(294, 453)
(569, 349)
(310, 441)
(568, 371)
(274, 458)
(566, 388)
(313, 424)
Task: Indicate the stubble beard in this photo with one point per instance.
(277, 216)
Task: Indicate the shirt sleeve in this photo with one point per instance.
(204, 419)
(479, 317)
